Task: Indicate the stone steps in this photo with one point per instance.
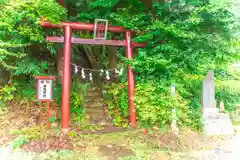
(94, 110)
(93, 98)
(93, 94)
(94, 89)
(86, 100)
(94, 106)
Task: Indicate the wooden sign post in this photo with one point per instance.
(44, 93)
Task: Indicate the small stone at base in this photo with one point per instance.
(65, 130)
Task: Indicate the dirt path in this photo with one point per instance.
(227, 150)
(129, 145)
(119, 146)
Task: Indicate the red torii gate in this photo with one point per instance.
(68, 40)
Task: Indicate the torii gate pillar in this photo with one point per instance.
(129, 55)
(66, 78)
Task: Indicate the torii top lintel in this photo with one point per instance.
(81, 26)
(89, 27)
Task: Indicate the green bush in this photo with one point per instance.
(6, 94)
(229, 93)
(154, 105)
(78, 91)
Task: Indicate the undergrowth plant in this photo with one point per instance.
(6, 95)
(117, 102)
(19, 142)
(23, 136)
(154, 104)
(52, 119)
(228, 90)
(78, 91)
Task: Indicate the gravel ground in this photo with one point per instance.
(7, 154)
(227, 151)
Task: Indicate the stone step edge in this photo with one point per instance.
(93, 96)
(93, 103)
(93, 106)
(93, 93)
(95, 109)
(93, 89)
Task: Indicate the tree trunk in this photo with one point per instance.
(59, 60)
(4, 77)
(94, 64)
(112, 57)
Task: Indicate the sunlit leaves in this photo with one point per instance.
(191, 40)
(30, 67)
(19, 27)
(103, 3)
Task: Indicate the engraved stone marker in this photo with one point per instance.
(174, 125)
(215, 123)
(208, 94)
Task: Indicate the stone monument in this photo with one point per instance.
(215, 123)
(174, 125)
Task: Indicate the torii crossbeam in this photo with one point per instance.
(68, 40)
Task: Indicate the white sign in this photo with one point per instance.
(172, 90)
(44, 89)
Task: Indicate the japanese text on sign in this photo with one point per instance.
(44, 89)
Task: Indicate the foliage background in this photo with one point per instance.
(185, 40)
